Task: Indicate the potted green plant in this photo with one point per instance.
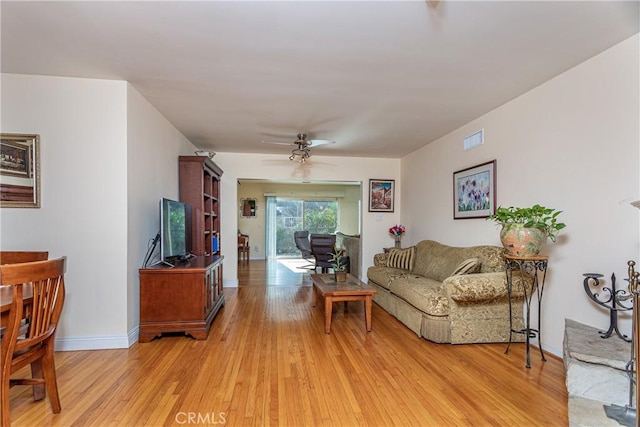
(339, 264)
(525, 230)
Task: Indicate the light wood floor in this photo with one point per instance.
(267, 361)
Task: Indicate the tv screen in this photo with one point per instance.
(175, 229)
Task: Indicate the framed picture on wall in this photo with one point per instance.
(474, 191)
(19, 171)
(248, 208)
(381, 195)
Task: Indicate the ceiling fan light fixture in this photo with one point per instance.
(302, 146)
(302, 152)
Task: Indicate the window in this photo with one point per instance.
(317, 216)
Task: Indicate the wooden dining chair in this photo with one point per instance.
(243, 248)
(15, 257)
(38, 293)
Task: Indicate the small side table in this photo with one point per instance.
(533, 271)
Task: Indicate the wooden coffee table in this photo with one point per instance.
(351, 290)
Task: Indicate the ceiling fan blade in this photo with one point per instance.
(319, 142)
(278, 143)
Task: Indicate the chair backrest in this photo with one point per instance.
(38, 295)
(243, 241)
(301, 238)
(322, 248)
(16, 257)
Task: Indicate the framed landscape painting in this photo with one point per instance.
(474, 191)
(381, 195)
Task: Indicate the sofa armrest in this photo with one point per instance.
(480, 287)
(380, 260)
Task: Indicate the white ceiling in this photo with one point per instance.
(380, 78)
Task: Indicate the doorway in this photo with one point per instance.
(300, 204)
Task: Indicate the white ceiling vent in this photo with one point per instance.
(473, 140)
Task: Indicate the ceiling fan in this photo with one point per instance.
(302, 146)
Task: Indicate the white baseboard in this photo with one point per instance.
(97, 343)
(230, 283)
(552, 350)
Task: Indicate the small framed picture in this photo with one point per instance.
(381, 195)
(19, 171)
(474, 191)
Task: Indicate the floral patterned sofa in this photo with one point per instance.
(448, 294)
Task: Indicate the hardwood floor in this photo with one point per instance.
(268, 362)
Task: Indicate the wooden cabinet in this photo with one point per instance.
(184, 298)
(200, 187)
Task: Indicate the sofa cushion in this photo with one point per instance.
(437, 261)
(468, 266)
(424, 294)
(483, 287)
(491, 258)
(401, 258)
(480, 288)
(383, 276)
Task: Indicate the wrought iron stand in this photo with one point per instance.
(533, 271)
(615, 302)
(610, 298)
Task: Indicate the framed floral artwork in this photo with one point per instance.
(19, 171)
(474, 191)
(381, 195)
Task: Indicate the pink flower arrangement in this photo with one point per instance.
(397, 230)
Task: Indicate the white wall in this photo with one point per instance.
(83, 137)
(107, 156)
(350, 207)
(375, 226)
(153, 148)
(573, 144)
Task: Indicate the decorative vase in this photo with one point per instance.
(398, 237)
(522, 241)
(340, 276)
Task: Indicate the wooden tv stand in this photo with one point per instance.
(184, 298)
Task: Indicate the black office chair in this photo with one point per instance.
(301, 238)
(322, 248)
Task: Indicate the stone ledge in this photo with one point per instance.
(595, 366)
(588, 413)
(585, 344)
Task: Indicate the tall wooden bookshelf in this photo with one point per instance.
(187, 297)
(200, 187)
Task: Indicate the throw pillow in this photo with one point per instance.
(380, 260)
(468, 266)
(401, 258)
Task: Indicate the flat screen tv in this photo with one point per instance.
(175, 231)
